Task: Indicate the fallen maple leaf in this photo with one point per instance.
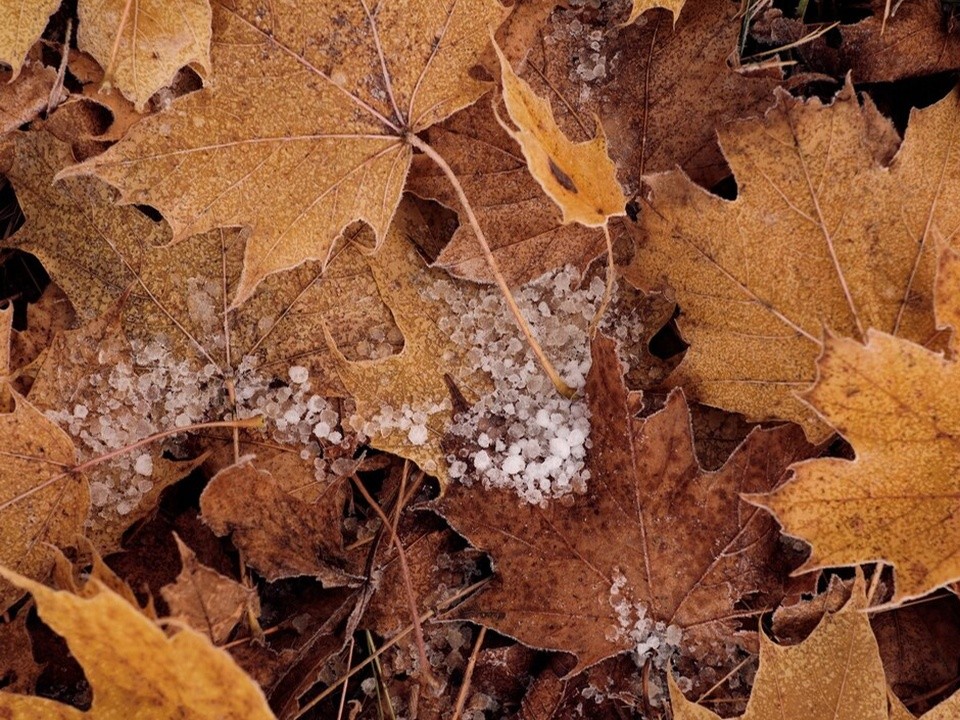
(135, 670)
(284, 536)
(654, 536)
(143, 43)
(96, 251)
(207, 601)
(579, 177)
(41, 502)
(897, 502)
(834, 673)
(18, 36)
(804, 246)
(324, 141)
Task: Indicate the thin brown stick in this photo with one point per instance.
(343, 695)
(726, 677)
(107, 83)
(427, 674)
(93, 462)
(608, 288)
(468, 674)
(389, 644)
(542, 358)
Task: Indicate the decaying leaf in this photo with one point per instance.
(897, 501)
(805, 246)
(579, 177)
(654, 539)
(23, 22)
(318, 133)
(23, 99)
(914, 41)
(207, 601)
(523, 226)
(285, 536)
(835, 673)
(143, 43)
(134, 668)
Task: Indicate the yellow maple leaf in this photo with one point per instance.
(41, 504)
(23, 22)
(579, 177)
(317, 137)
(416, 377)
(898, 501)
(143, 43)
(834, 673)
(805, 245)
(639, 7)
(135, 670)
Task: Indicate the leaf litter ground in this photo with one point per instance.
(569, 557)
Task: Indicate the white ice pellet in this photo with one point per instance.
(298, 374)
(144, 465)
(418, 435)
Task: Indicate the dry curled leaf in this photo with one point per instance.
(653, 536)
(135, 670)
(318, 134)
(579, 177)
(523, 226)
(805, 246)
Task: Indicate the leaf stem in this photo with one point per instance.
(544, 361)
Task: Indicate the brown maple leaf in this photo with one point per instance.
(284, 536)
(656, 113)
(806, 245)
(317, 137)
(207, 601)
(522, 225)
(914, 41)
(654, 536)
